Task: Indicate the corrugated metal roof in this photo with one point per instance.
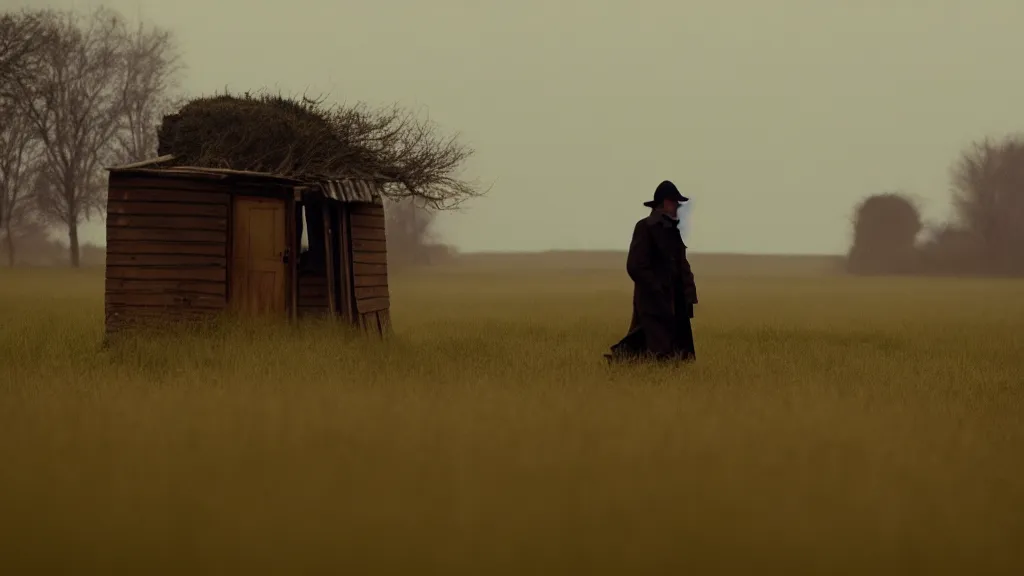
(351, 190)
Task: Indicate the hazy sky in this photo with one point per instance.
(776, 117)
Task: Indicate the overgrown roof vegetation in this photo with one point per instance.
(306, 137)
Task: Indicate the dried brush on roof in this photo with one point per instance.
(304, 137)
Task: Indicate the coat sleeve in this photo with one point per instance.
(638, 262)
(689, 285)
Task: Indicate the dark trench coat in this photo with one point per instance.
(664, 293)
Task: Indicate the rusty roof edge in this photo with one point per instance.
(152, 166)
(303, 179)
(167, 172)
(142, 163)
(355, 176)
(232, 172)
(207, 173)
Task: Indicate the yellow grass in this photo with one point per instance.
(831, 425)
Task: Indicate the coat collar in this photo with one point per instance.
(659, 218)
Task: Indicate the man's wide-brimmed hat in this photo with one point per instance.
(666, 190)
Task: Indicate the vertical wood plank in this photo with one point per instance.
(239, 231)
(385, 321)
(332, 298)
(292, 269)
(229, 252)
(345, 242)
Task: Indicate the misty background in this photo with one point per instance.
(775, 118)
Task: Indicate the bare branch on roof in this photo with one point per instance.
(305, 137)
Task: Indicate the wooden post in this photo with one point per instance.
(345, 245)
(332, 305)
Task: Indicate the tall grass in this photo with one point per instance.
(830, 425)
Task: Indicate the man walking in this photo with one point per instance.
(664, 292)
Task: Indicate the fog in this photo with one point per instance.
(775, 117)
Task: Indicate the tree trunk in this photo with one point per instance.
(73, 244)
(10, 248)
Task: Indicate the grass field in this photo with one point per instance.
(831, 425)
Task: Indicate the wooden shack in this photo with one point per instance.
(188, 243)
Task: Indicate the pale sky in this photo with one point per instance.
(776, 117)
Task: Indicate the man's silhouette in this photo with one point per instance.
(664, 292)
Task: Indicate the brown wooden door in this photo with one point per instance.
(258, 269)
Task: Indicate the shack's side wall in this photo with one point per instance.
(369, 266)
(167, 249)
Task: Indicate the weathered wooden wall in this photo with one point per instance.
(167, 249)
(369, 266)
(312, 294)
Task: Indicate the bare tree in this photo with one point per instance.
(152, 64)
(22, 37)
(19, 163)
(988, 197)
(76, 105)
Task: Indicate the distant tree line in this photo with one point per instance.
(984, 237)
(83, 91)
